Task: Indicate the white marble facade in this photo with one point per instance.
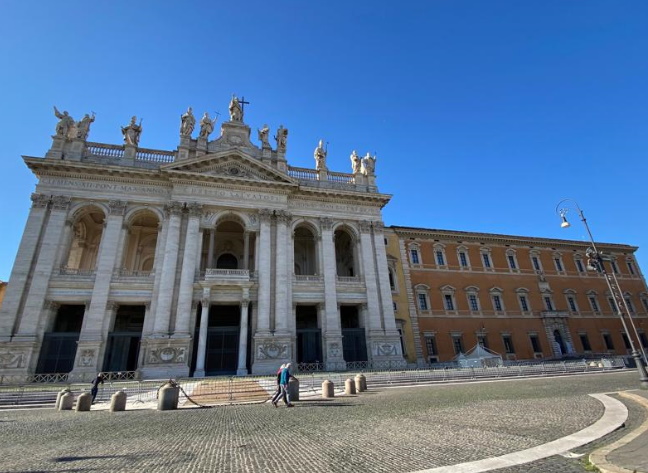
(217, 257)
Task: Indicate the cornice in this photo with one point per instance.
(337, 195)
(195, 178)
(425, 233)
(230, 184)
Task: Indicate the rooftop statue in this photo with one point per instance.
(187, 123)
(356, 163)
(368, 165)
(132, 132)
(263, 136)
(65, 125)
(83, 126)
(206, 126)
(236, 112)
(281, 138)
(320, 157)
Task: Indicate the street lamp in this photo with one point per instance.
(595, 262)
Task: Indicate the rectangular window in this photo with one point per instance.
(430, 343)
(548, 303)
(423, 305)
(486, 258)
(440, 259)
(414, 256)
(585, 342)
(615, 268)
(579, 266)
(535, 343)
(594, 304)
(524, 304)
(629, 304)
(474, 304)
(497, 303)
(572, 304)
(644, 340)
(511, 260)
(482, 340)
(449, 304)
(395, 306)
(558, 264)
(607, 339)
(508, 344)
(645, 303)
(613, 304)
(457, 344)
(536, 263)
(631, 267)
(463, 260)
(626, 340)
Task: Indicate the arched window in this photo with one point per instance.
(227, 261)
(345, 253)
(305, 252)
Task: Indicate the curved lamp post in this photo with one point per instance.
(595, 262)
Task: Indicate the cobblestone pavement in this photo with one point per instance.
(386, 430)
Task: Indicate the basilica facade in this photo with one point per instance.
(214, 258)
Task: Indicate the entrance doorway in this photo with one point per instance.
(60, 345)
(354, 342)
(124, 341)
(221, 356)
(309, 336)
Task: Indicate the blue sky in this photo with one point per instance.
(483, 114)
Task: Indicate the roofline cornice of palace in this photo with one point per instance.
(83, 170)
(232, 184)
(315, 193)
(431, 233)
(345, 199)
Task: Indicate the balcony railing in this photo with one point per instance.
(65, 271)
(349, 279)
(218, 274)
(305, 278)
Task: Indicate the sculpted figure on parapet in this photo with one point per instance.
(263, 136)
(187, 123)
(83, 126)
(132, 132)
(65, 125)
(368, 165)
(206, 126)
(281, 138)
(320, 157)
(236, 112)
(356, 163)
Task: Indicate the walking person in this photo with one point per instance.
(277, 392)
(284, 379)
(95, 386)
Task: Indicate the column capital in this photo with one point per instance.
(245, 303)
(205, 301)
(51, 305)
(365, 226)
(284, 217)
(61, 202)
(39, 201)
(195, 209)
(378, 226)
(173, 208)
(111, 305)
(117, 207)
(265, 215)
(326, 223)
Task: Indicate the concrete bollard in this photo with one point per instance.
(349, 387)
(327, 389)
(118, 401)
(59, 396)
(84, 401)
(293, 389)
(168, 397)
(67, 401)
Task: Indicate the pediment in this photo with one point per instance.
(229, 166)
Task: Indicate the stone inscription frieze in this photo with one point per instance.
(103, 186)
(229, 194)
(328, 206)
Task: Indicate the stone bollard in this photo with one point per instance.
(168, 397)
(358, 383)
(327, 389)
(349, 387)
(59, 396)
(118, 401)
(293, 389)
(84, 401)
(67, 401)
(363, 382)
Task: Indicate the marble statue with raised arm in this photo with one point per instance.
(206, 126)
(320, 157)
(236, 112)
(187, 123)
(132, 132)
(263, 136)
(356, 164)
(65, 124)
(281, 138)
(83, 126)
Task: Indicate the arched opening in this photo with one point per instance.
(559, 340)
(345, 254)
(139, 254)
(305, 252)
(227, 261)
(86, 237)
(224, 246)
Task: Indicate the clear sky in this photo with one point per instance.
(483, 114)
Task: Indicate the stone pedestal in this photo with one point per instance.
(165, 358)
(56, 151)
(84, 402)
(270, 353)
(74, 150)
(130, 151)
(118, 401)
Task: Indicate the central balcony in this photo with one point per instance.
(218, 275)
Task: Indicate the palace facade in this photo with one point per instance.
(217, 257)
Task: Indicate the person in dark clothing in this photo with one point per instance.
(95, 386)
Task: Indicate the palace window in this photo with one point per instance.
(512, 260)
(631, 267)
(496, 298)
(430, 344)
(585, 342)
(578, 261)
(535, 343)
(482, 340)
(594, 303)
(423, 302)
(644, 301)
(508, 344)
(571, 301)
(497, 303)
(448, 297)
(414, 255)
(457, 344)
(626, 340)
(629, 303)
(524, 305)
(449, 303)
(535, 261)
(463, 259)
(557, 257)
(607, 340)
(548, 303)
(474, 303)
(613, 304)
(487, 261)
(615, 268)
(643, 339)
